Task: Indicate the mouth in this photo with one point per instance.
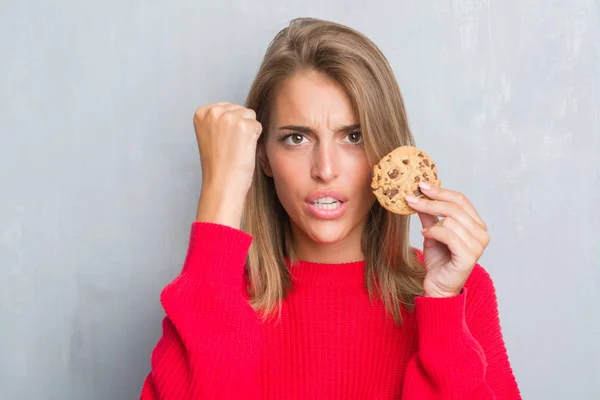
(327, 203)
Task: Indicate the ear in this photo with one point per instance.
(263, 159)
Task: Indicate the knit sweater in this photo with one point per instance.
(331, 341)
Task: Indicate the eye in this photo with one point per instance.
(354, 137)
(293, 139)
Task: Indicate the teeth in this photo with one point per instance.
(327, 203)
(331, 206)
(326, 200)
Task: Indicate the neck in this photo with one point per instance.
(348, 249)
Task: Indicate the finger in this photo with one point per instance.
(455, 244)
(427, 220)
(202, 111)
(249, 125)
(256, 127)
(447, 209)
(215, 110)
(245, 113)
(230, 107)
(438, 193)
(466, 236)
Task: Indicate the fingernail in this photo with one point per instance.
(425, 185)
(412, 199)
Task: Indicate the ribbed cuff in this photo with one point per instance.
(441, 321)
(217, 254)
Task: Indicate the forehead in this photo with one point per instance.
(312, 98)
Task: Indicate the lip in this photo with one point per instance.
(326, 193)
(326, 214)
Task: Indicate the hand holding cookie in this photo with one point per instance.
(452, 246)
(406, 182)
(227, 136)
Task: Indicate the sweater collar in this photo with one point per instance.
(349, 274)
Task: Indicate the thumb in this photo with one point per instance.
(428, 220)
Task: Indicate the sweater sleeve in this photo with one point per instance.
(211, 341)
(461, 352)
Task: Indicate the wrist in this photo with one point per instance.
(220, 205)
(436, 294)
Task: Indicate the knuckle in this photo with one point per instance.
(250, 124)
(461, 199)
(257, 126)
(251, 113)
(454, 235)
(200, 112)
(213, 111)
(242, 124)
(425, 204)
(455, 209)
(230, 118)
(486, 239)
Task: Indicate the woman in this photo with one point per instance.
(297, 283)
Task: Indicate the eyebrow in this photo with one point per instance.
(306, 129)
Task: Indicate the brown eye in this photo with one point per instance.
(297, 139)
(355, 137)
(292, 139)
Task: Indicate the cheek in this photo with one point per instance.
(361, 170)
(288, 176)
(360, 180)
(285, 170)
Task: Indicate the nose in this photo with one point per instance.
(325, 162)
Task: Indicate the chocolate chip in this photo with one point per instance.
(417, 192)
(393, 192)
(435, 175)
(432, 166)
(417, 179)
(393, 173)
(426, 161)
(425, 174)
(427, 179)
(405, 162)
(421, 155)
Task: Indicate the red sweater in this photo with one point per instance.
(331, 342)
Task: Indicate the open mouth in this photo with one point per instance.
(327, 203)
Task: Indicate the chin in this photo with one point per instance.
(326, 232)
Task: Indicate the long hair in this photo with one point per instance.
(393, 271)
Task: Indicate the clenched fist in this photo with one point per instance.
(227, 135)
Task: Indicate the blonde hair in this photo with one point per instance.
(352, 60)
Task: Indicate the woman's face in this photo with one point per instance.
(315, 154)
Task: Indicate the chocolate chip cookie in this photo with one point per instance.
(398, 174)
